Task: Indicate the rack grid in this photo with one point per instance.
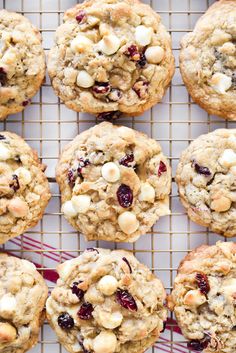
(47, 125)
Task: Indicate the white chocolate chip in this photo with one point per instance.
(154, 55)
(81, 44)
(109, 44)
(68, 209)
(220, 82)
(109, 320)
(108, 285)
(7, 305)
(147, 193)
(23, 174)
(4, 152)
(128, 222)
(143, 35)
(110, 172)
(228, 48)
(228, 158)
(18, 207)
(81, 203)
(17, 36)
(9, 57)
(194, 298)
(84, 79)
(105, 342)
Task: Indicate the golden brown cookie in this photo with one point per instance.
(111, 56)
(206, 177)
(203, 298)
(24, 188)
(22, 62)
(23, 294)
(114, 182)
(106, 301)
(208, 60)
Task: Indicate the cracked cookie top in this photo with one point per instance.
(24, 189)
(22, 62)
(208, 60)
(106, 301)
(111, 55)
(204, 298)
(206, 177)
(23, 294)
(114, 182)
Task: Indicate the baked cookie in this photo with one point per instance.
(106, 301)
(114, 182)
(22, 62)
(208, 60)
(23, 294)
(206, 177)
(204, 298)
(111, 55)
(24, 189)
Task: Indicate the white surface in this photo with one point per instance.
(47, 127)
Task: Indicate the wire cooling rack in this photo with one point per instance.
(47, 125)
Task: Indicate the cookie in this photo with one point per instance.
(23, 294)
(204, 298)
(22, 62)
(109, 56)
(106, 301)
(24, 189)
(206, 177)
(208, 60)
(114, 182)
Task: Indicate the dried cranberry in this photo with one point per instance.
(82, 164)
(133, 52)
(109, 116)
(203, 283)
(81, 16)
(2, 137)
(15, 185)
(127, 262)
(162, 168)
(25, 103)
(142, 61)
(197, 345)
(124, 196)
(141, 89)
(85, 311)
(77, 291)
(126, 160)
(65, 321)
(102, 88)
(125, 299)
(3, 76)
(71, 176)
(202, 170)
(92, 249)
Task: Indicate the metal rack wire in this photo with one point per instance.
(47, 125)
